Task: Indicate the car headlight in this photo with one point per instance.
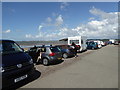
(31, 61)
(2, 69)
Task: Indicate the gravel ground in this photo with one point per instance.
(91, 69)
(46, 70)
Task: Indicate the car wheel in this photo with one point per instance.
(45, 62)
(65, 55)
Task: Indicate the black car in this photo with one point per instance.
(45, 54)
(67, 51)
(16, 64)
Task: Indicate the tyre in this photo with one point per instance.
(65, 55)
(45, 62)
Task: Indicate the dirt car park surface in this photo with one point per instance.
(91, 69)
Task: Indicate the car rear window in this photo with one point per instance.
(64, 46)
(55, 49)
(91, 43)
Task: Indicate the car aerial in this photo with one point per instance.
(16, 64)
(67, 51)
(92, 45)
(45, 54)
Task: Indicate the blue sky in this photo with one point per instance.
(55, 20)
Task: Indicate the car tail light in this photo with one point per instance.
(79, 46)
(96, 45)
(52, 54)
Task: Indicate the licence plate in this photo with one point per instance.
(20, 78)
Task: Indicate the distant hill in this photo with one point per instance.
(40, 42)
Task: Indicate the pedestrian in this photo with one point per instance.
(75, 49)
(39, 54)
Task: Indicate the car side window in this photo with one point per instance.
(43, 49)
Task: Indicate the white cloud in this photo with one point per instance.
(59, 20)
(64, 5)
(92, 18)
(28, 36)
(49, 20)
(7, 31)
(106, 26)
(40, 27)
(101, 14)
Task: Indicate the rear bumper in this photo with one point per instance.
(9, 77)
(71, 54)
(53, 59)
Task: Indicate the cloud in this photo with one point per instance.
(105, 26)
(92, 18)
(49, 20)
(29, 36)
(40, 27)
(59, 20)
(101, 14)
(7, 31)
(64, 5)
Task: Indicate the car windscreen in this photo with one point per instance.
(9, 47)
(55, 49)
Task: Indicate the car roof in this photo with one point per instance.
(43, 46)
(6, 40)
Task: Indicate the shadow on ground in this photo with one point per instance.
(33, 77)
(57, 62)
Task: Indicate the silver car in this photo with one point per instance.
(46, 54)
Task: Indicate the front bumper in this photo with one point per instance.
(8, 78)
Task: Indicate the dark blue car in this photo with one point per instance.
(16, 64)
(92, 45)
(67, 51)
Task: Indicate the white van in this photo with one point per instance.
(112, 41)
(102, 43)
(99, 43)
(78, 40)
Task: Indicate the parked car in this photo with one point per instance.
(48, 55)
(16, 64)
(92, 45)
(116, 42)
(106, 43)
(112, 41)
(102, 43)
(67, 51)
(99, 43)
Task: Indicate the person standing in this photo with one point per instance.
(75, 49)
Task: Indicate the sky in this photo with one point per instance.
(26, 21)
